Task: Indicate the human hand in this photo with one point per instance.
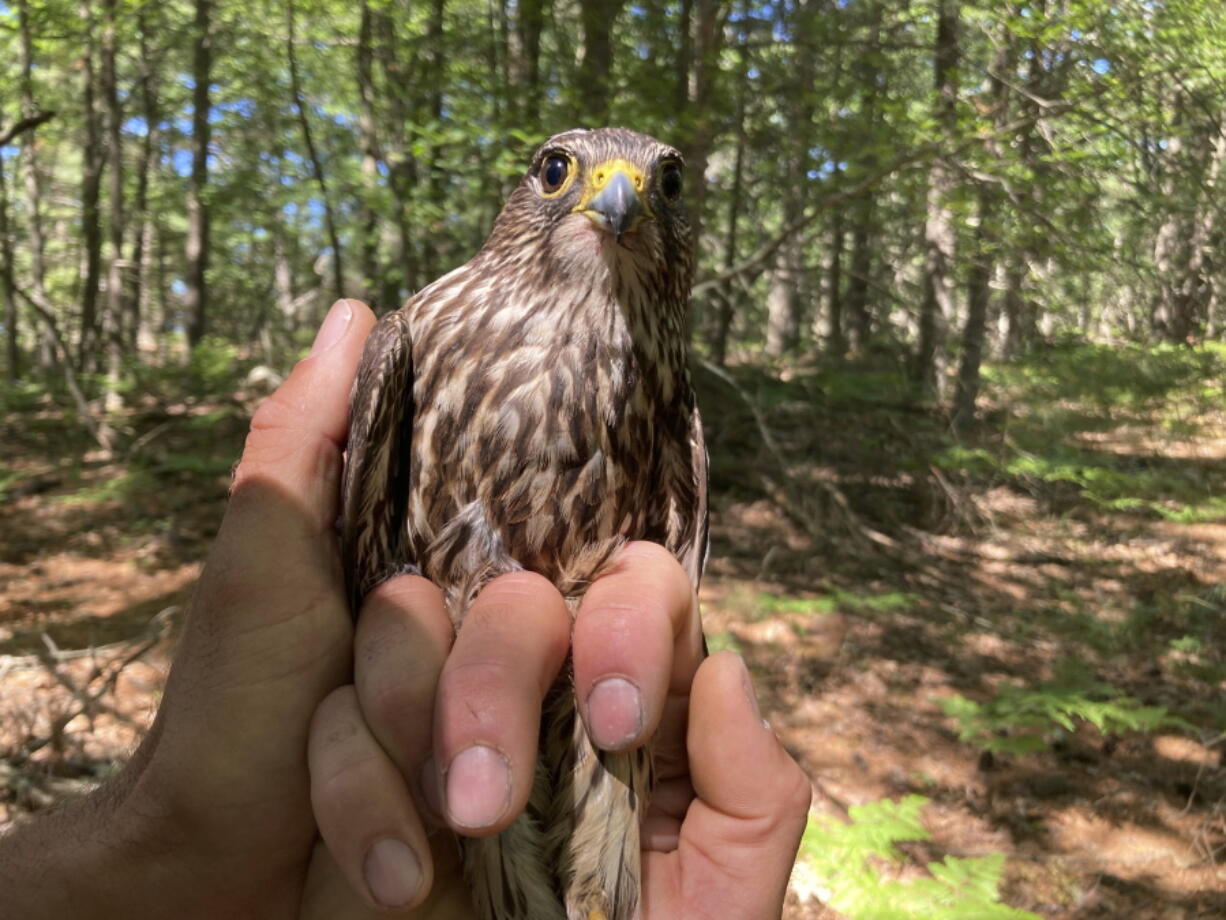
(212, 817)
(729, 805)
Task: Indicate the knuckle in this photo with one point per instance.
(278, 412)
(797, 793)
(518, 590)
(393, 697)
(264, 448)
(644, 553)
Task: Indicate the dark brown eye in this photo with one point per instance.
(553, 173)
(670, 181)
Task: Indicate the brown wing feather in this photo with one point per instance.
(695, 559)
(377, 458)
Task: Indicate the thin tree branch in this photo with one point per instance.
(24, 125)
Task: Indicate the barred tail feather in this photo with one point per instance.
(594, 825)
(508, 874)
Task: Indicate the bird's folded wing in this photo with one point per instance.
(376, 481)
(695, 559)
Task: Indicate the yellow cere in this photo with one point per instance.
(599, 177)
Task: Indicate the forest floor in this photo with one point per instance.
(1024, 625)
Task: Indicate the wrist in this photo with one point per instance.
(76, 861)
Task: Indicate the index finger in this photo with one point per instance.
(637, 645)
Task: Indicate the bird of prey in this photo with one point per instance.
(533, 410)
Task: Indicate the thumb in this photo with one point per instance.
(752, 800)
(268, 629)
(272, 580)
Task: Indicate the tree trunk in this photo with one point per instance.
(401, 165)
(783, 300)
(727, 299)
(596, 66)
(860, 272)
(986, 241)
(8, 289)
(940, 235)
(368, 142)
(867, 73)
(33, 170)
(93, 161)
(8, 284)
(196, 300)
(836, 336)
(698, 121)
(1016, 337)
(526, 62)
(137, 315)
(112, 321)
(979, 289)
(443, 252)
(1182, 248)
(317, 169)
(700, 111)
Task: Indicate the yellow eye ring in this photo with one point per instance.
(556, 173)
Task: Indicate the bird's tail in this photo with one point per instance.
(594, 817)
(508, 874)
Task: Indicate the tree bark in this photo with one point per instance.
(112, 321)
(836, 335)
(727, 297)
(433, 257)
(526, 61)
(33, 169)
(860, 272)
(196, 300)
(317, 169)
(782, 301)
(93, 162)
(596, 66)
(8, 289)
(8, 285)
(136, 313)
(867, 74)
(986, 241)
(698, 121)
(940, 236)
(1182, 247)
(977, 298)
(368, 141)
(401, 165)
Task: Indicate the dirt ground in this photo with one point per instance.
(854, 645)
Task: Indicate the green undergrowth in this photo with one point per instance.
(855, 863)
(1021, 720)
(752, 605)
(1094, 423)
(836, 599)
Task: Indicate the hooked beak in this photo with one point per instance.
(617, 207)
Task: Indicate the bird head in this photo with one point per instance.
(606, 197)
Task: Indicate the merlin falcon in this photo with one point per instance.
(533, 410)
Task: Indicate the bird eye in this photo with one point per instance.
(670, 181)
(553, 173)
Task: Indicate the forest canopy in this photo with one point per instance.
(943, 180)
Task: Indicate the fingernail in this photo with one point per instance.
(392, 872)
(478, 787)
(427, 780)
(615, 713)
(334, 327)
(747, 687)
